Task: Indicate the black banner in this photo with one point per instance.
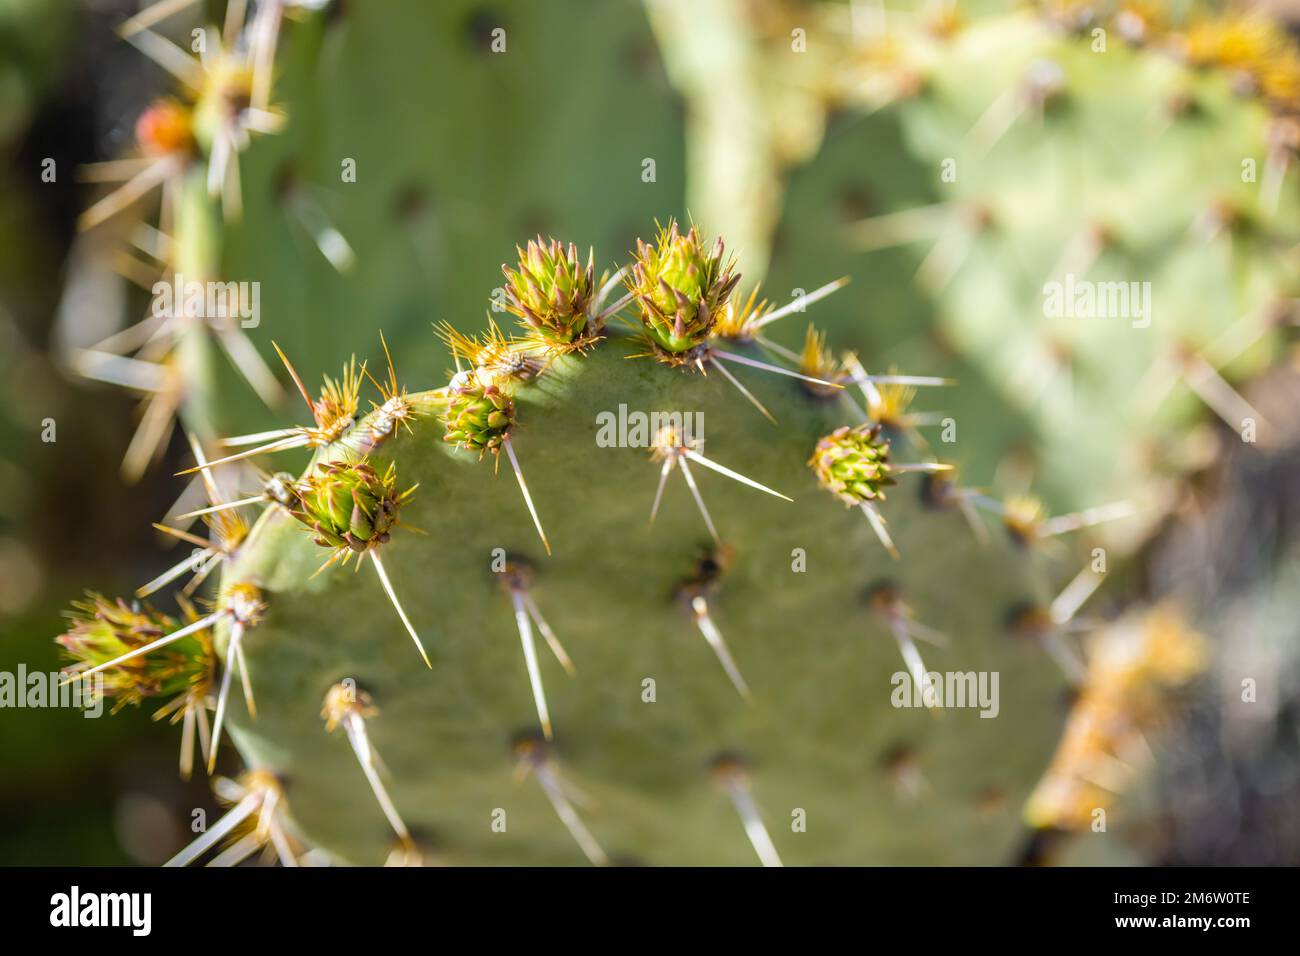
(273, 905)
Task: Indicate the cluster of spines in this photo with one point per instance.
(104, 630)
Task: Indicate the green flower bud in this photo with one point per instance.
(853, 463)
(681, 290)
(349, 505)
(552, 292)
(103, 630)
(478, 415)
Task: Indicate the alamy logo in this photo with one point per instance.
(637, 429)
(213, 301)
(74, 908)
(39, 689)
(954, 689)
(1083, 299)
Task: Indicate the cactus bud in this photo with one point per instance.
(853, 463)
(552, 293)
(349, 505)
(104, 630)
(478, 415)
(681, 289)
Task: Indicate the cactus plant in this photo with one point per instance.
(647, 709)
(645, 752)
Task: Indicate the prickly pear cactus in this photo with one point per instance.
(648, 707)
(737, 670)
(745, 653)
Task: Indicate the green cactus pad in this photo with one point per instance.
(827, 741)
